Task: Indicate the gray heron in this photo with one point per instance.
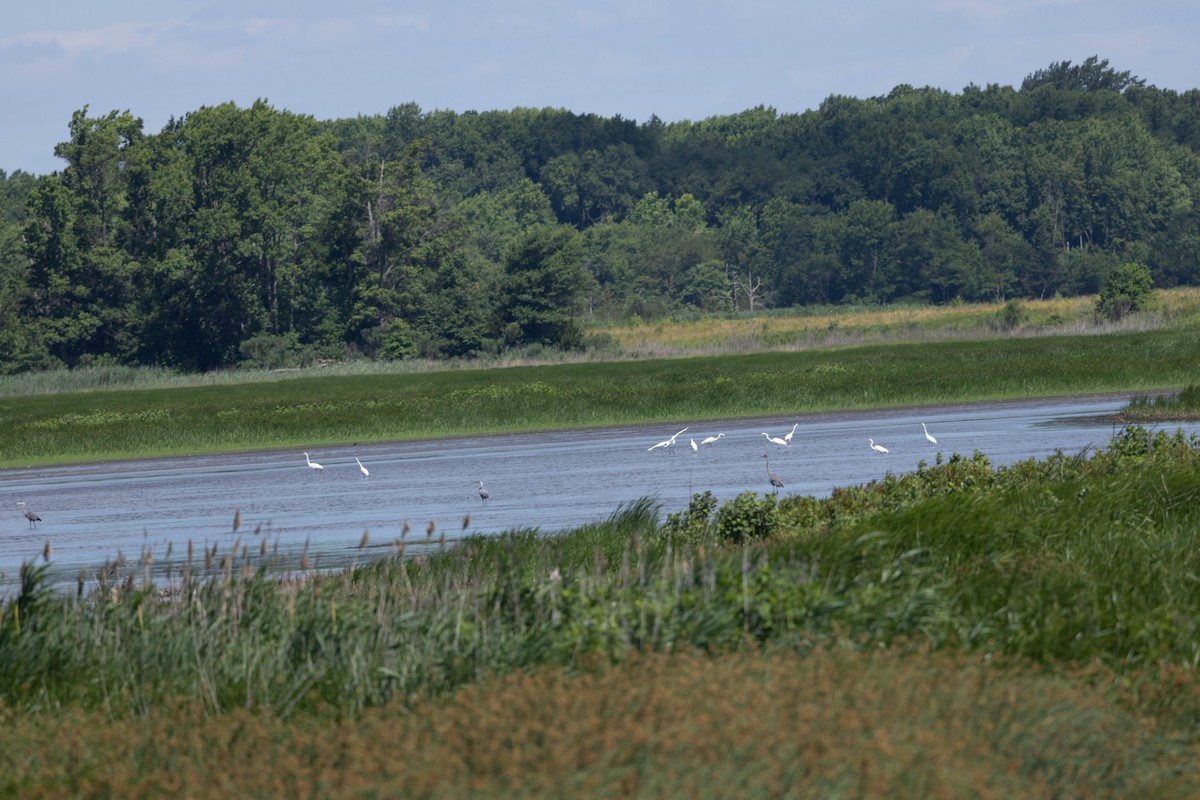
(771, 476)
(33, 518)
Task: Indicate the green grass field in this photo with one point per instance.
(309, 411)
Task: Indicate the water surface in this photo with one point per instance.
(93, 512)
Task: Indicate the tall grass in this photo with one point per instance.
(828, 723)
(359, 408)
(819, 327)
(1181, 405)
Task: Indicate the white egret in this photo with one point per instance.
(771, 476)
(666, 443)
(366, 472)
(787, 437)
(775, 440)
(878, 448)
(694, 447)
(928, 435)
(312, 463)
(712, 439)
(33, 518)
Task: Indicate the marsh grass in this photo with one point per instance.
(764, 723)
(837, 326)
(387, 407)
(1182, 405)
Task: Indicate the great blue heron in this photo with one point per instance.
(787, 437)
(928, 435)
(666, 442)
(33, 518)
(366, 472)
(483, 493)
(771, 476)
(878, 448)
(775, 440)
(312, 463)
(712, 439)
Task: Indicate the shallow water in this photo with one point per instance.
(93, 512)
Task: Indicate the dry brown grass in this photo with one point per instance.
(825, 724)
(837, 327)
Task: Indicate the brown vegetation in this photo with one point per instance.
(823, 723)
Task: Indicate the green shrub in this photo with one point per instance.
(694, 524)
(1128, 289)
(747, 517)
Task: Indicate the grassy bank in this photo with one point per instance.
(1022, 631)
(1182, 405)
(807, 328)
(307, 411)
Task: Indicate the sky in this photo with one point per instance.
(678, 60)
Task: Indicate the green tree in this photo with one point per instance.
(20, 347)
(1093, 75)
(1128, 289)
(543, 289)
(82, 276)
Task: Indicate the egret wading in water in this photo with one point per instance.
(33, 518)
(787, 437)
(878, 448)
(311, 463)
(772, 477)
(712, 439)
(366, 472)
(928, 435)
(775, 440)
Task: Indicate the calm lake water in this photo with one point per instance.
(94, 512)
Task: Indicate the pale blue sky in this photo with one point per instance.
(676, 59)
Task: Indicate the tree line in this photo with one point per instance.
(261, 236)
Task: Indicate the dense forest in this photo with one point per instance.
(265, 237)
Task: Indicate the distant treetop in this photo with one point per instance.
(1093, 75)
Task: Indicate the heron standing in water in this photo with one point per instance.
(771, 476)
(33, 518)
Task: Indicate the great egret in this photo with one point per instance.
(666, 443)
(694, 447)
(928, 435)
(878, 448)
(483, 493)
(312, 463)
(775, 440)
(33, 518)
(771, 476)
(366, 472)
(787, 437)
(712, 439)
